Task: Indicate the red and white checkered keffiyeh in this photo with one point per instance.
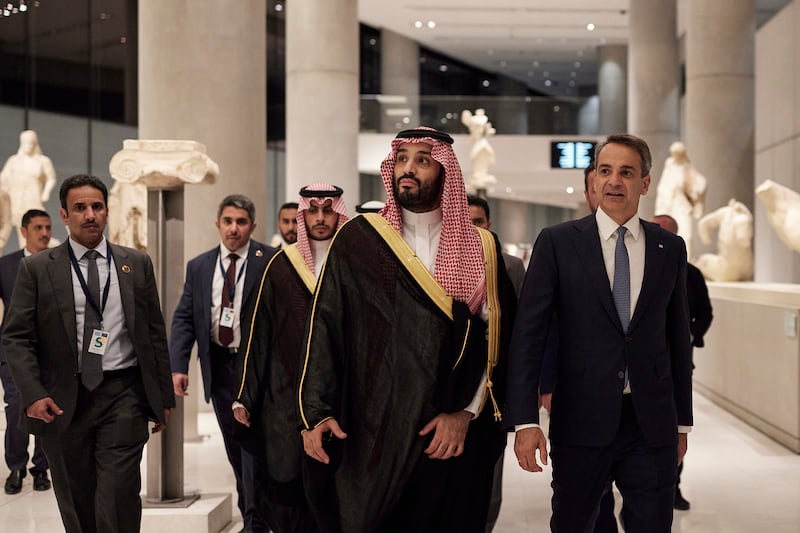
(337, 204)
(459, 266)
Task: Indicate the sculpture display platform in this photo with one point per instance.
(783, 211)
(734, 258)
(482, 154)
(681, 193)
(27, 178)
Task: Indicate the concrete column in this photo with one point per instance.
(202, 76)
(322, 99)
(509, 220)
(612, 88)
(653, 83)
(399, 78)
(720, 101)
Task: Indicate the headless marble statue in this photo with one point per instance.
(734, 258)
(783, 211)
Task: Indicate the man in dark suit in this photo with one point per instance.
(700, 316)
(623, 404)
(219, 285)
(36, 229)
(90, 364)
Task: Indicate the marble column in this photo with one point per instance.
(612, 88)
(322, 96)
(399, 79)
(720, 101)
(202, 76)
(653, 83)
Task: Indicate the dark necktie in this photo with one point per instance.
(226, 333)
(91, 364)
(622, 280)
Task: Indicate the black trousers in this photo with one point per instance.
(245, 465)
(95, 463)
(644, 475)
(16, 440)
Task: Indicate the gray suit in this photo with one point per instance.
(40, 344)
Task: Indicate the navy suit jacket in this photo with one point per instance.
(9, 265)
(567, 278)
(192, 319)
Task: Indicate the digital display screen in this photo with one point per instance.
(571, 154)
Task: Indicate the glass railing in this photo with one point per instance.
(509, 115)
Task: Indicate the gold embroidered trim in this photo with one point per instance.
(299, 264)
(493, 301)
(403, 251)
(464, 344)
(252, 324)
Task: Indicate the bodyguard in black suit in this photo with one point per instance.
(229, 271)
(623, 404)
(87, 348)
(36, 228)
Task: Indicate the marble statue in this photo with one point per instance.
(482, 153)
(27, 178)
(150, 164)
(734, 258)
(783, 211)
(5, 218)
(127, 215)
(681, 192)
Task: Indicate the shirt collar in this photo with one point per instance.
(428, 218)
(607, 227)
(241, 252)
(79, 250)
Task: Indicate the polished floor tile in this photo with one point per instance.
(737, 480)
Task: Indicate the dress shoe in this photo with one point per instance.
(681, 504)
(41, 481)
(14, 481)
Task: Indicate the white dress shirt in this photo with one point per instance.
(119, 351)
(216, 291)
(319, 251)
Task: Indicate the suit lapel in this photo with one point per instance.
(654, 253)
(207, 281)
(60, 272)
(256, 259)
(590, 255)
(126, 285)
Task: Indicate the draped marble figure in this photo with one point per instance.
(27, 178)
(681, 192)
(481, 154)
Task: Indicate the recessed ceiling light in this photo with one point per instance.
(418, 24)
(431, 24)
(570, 190)
(590, 27)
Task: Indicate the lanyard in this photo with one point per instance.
(231, 290)
(85, 287)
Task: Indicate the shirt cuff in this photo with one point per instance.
(236, 405)
(684, 429)
(519, 427)
(475, 404)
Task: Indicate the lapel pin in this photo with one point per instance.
(126, 269)
(259, 253)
